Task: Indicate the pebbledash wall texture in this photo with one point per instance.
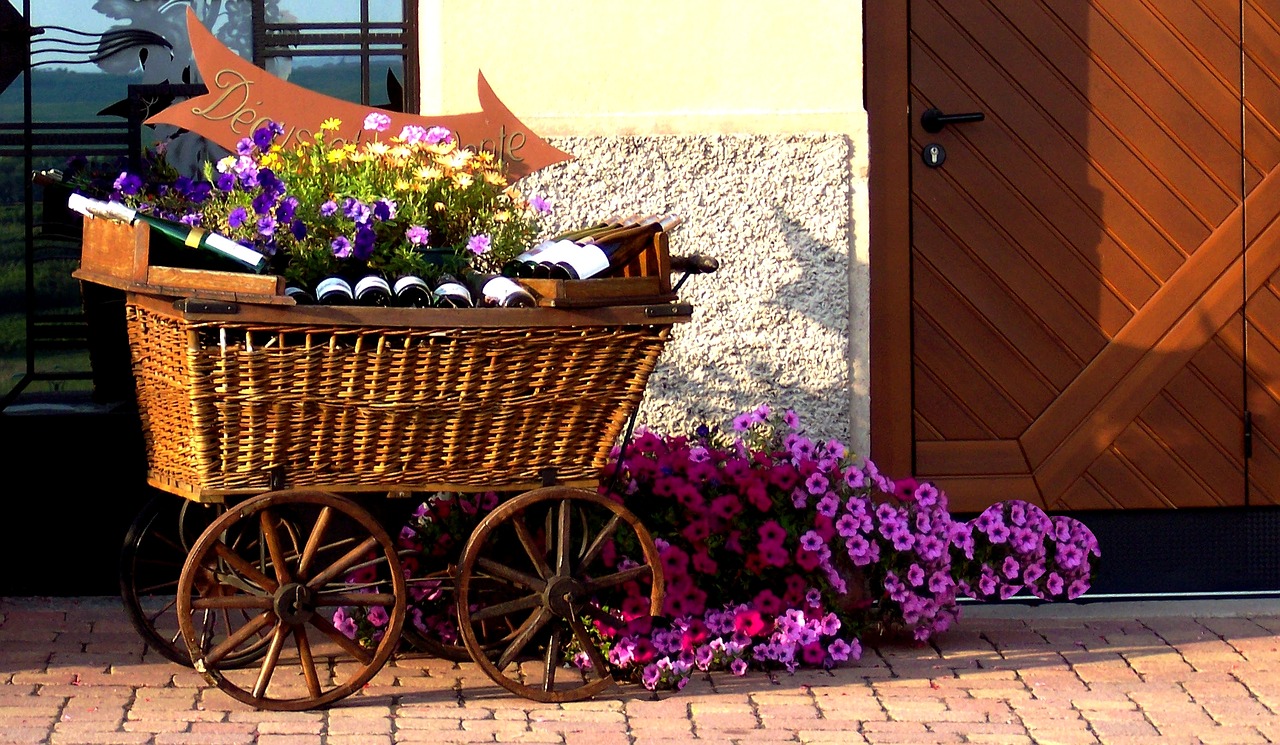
(773, 324)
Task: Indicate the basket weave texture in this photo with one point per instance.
(225, 405)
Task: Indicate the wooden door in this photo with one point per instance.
(1072, 277)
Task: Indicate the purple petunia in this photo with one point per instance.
(377, 121)
(417, 235)
(479, 244)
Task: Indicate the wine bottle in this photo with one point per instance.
(608, 252)
(301, 295)
(335, 290)
(411, 291)
(177, 233)
(450, 292)
(526, 263)
(497, 291)
(372, 290)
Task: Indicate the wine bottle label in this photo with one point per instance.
(334, 285)
(97, 208)
(555, 252)
(533, 252)
(452, 288)
(224, 245)
(501, 289)
(371, 283)
(586, 261)
(410, 281)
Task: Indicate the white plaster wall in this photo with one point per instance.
(699, 85)
(773, 324)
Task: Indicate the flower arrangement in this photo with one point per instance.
(787, 551)
(415, 202)
(780, 552)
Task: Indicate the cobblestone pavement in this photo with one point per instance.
(72, 670)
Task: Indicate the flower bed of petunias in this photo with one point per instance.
(781, 552)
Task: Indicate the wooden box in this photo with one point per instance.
(118, 255)
(646, 280)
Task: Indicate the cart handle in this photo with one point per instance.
(691, 265)
(694, 264)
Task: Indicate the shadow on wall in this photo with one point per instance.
(772, 325)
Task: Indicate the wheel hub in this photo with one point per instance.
(560, 594)
(294, 603)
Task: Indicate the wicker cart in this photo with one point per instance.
(290, 431)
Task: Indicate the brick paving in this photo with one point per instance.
(73, 671)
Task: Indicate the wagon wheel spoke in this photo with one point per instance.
(598, 543)
(313, 541)
(599, 668)
(344, 564)
(308, 664)
(514, 576)
(504, 610)
(223, 602)
(269, 663)
(618, 578)
(531, 548)
(267, 524)
(522, 639)
(342, 640)
(552, 660)
(242, 634)
(563, 538)
(244, 568)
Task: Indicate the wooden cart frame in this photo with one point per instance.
(294, 421)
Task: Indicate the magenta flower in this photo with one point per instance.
(439, 135)
(377, 121)
(479, 244)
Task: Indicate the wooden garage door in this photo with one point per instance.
(1094, 316)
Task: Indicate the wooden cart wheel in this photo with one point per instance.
(565, 558)
(155, 548)
(331, 597)
(492, 637)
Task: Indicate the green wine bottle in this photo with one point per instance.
(179, 233)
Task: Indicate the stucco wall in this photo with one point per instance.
(772, 325)
(745, 116)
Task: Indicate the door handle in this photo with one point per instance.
(933, 120)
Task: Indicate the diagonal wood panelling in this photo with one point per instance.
(1079, 262)
(1261, 23)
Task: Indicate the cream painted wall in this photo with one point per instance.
(670, 67)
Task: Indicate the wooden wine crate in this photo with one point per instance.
(646, 280)
(118, 255)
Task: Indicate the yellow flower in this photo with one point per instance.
(357, 157)
(401, 153)
(463, 180)
(428, 173)
(497, 179)
(270, 160)
(331, 124)
(378, 148)
(402, 185)
(456, 159)
(501, 216)
(336, 156)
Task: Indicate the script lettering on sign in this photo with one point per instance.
(242, 97)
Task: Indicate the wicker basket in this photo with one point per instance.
(427, 399)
